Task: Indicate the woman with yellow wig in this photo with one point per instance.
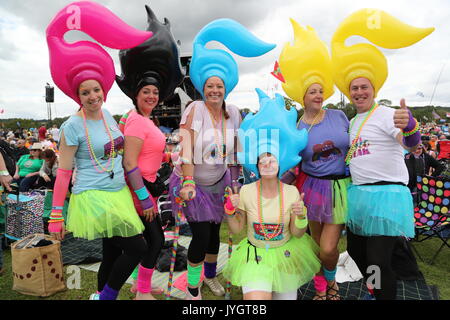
(380, 207)
(306, 67)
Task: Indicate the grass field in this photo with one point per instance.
(438, 274)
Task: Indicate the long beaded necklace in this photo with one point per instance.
(279, 228)
(94, 159)
(352, 148)
(314, 120)
(222, 151)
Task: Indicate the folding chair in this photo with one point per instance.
(165, 210)
(431, 212)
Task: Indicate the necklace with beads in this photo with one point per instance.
(94, 159)
(352, 148)
(314, 120)
(223, 150)
(279, 228)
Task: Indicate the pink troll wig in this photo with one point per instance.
(73, 63)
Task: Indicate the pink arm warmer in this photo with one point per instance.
(59, 195)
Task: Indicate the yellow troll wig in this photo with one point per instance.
(364, 60)
(304, 63)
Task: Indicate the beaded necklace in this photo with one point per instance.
(279, 228)
(352, 149)
(223, 152)
(314, 120)
(94, 159)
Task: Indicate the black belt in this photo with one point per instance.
(329, 177)
(383, 183)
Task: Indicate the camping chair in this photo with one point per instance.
(431, 212)
(165, 210)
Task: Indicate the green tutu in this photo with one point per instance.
(97, 214)
(283, 269)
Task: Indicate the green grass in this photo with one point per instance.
(437, 274)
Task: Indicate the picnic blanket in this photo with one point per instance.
(406, 290)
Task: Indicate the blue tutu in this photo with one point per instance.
(380, 210)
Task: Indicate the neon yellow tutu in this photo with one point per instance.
(283, 269)
(97, 214)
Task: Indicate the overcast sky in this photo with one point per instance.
(24, 65)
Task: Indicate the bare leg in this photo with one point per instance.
(316, 232)
(329, 254)
(258, 295)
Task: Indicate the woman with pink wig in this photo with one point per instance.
(101, 205)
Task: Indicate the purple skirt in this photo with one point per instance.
(206, 206)
(326, 200)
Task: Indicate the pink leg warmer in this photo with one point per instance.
(320, 283)
(144, 280)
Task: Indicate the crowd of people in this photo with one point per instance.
(352, 174)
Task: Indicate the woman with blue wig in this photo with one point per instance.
(208, 130)
(277, 257)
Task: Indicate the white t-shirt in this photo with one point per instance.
(55, 133)
(378, 155)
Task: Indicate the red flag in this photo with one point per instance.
(277, 72)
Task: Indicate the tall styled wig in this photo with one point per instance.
(364, 60)
(207, 63)
(73, 63)
(273, 129)
(304, 63)
(154, 62)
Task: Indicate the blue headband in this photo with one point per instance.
(263, 132)
(207, 63)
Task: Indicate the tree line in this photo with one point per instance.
(423, 114)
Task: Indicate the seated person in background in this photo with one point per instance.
(21, 149)
(47, 174)
(27, 168)
(419, 163)
(427, 149)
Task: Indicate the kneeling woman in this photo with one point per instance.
(277, 257)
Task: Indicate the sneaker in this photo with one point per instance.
(94, 296)
(189, 296)
(215, 286)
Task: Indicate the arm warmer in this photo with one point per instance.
(135, 178)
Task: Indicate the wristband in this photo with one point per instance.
(230, 210)
(59, 193)
(301, 223)
(185, 161)
(229, 213)
(411, 132)
(142, 193)
(189, 182)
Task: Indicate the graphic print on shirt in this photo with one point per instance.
(270, 229)
(325, 152)
(118, 148)
(361, 148)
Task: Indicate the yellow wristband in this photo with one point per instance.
(301, 223)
